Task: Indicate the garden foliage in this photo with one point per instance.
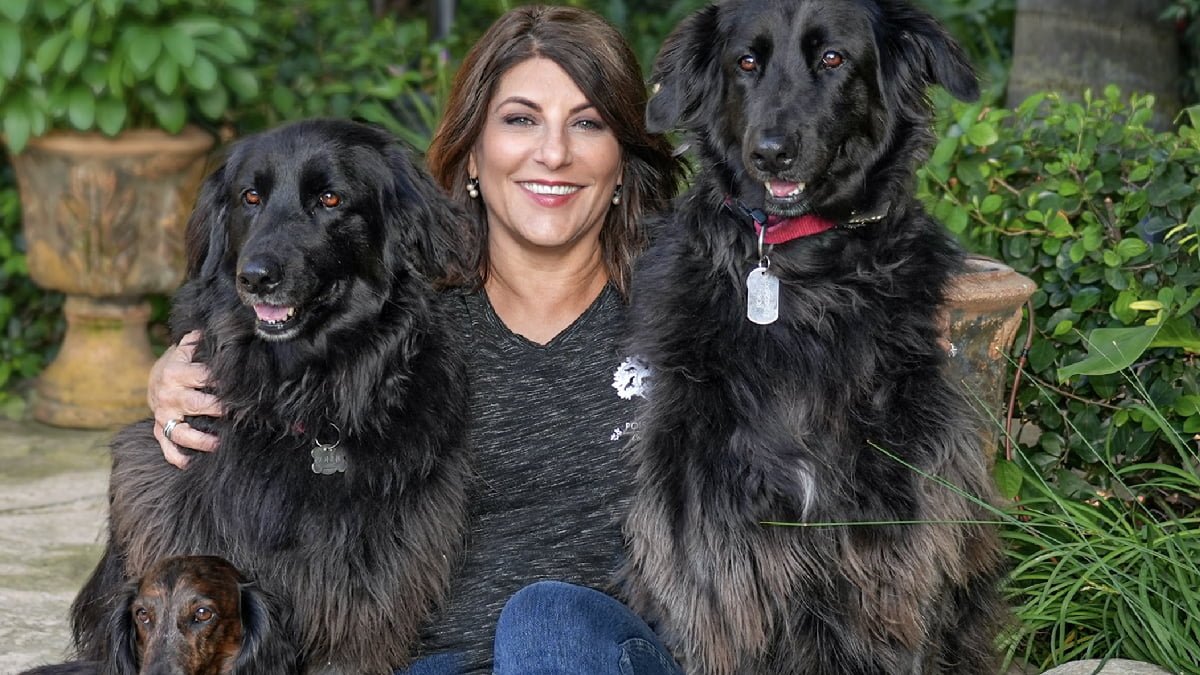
(1104, 215)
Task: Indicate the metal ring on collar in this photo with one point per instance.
(168, 428)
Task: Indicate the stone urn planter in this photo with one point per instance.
(984, 314)
(104, 224)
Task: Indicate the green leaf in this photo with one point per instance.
(17, 125)
(74, 54)
(1008, 478)
(49, 51)
(1110, 350)
(81, 21)
(110, 116)
(10, 50)
(1131, 248)
(1085, 299)
(81, 108)
(202, 75)
(180, 45)
(144, 47)
(166, 76)
(14, 10)
(244, 6)
(982, 134)
(1178, 333)
(243, 83)
(214, 103)
(171, 114)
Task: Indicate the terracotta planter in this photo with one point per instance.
(984, 312)
(103, 220)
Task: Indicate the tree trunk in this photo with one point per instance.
(1072, 45)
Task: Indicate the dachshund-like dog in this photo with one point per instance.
(190, 615)
(340, 482)
(789, 313)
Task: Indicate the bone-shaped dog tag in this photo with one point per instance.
(762, 296)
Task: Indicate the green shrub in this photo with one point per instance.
(1104, 215)
(110, 65)
(340, 59)
(31, 322)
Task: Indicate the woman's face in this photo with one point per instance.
(547, 163)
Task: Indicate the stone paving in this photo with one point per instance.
(53, 485)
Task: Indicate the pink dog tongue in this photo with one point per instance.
(271, 313)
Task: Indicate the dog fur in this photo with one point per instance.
(308, 258)
(839, 417)
(190, 615)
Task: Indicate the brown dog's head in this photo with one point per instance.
(193, 615)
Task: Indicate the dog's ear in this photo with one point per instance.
(686, 80)
(206, 235)
(918, 51)
(433, 231)
(122, 657)
(263, 643)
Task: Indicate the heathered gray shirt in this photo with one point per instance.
(548, 429)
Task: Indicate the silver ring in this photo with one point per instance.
(168, 428)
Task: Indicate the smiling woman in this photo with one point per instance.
(543, 123)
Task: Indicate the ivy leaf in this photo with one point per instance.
(1111, 350)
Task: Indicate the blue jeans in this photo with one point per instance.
(554, 628)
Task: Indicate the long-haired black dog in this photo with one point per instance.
(831, 409)
(339, 484)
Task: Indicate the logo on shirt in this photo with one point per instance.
(631, 378)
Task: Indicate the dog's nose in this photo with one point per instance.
(260, 275)
(772, 154)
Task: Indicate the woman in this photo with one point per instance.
(543, 140)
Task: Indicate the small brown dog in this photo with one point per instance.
(190, 615)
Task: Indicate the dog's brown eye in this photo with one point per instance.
(831, 59)
(748, 63)
(330, 200)
(251, 197)
(142, 616)
(202, 615)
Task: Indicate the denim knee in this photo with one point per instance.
(555, 627)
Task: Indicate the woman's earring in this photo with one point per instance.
(616, 196)
(473, 188)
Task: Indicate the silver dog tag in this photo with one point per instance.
(762, 296)
(328, 459)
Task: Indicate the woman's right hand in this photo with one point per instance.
(174, 390)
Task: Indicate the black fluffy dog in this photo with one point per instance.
(339, 485)
(798, 376)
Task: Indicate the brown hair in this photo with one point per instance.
(598, 59)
